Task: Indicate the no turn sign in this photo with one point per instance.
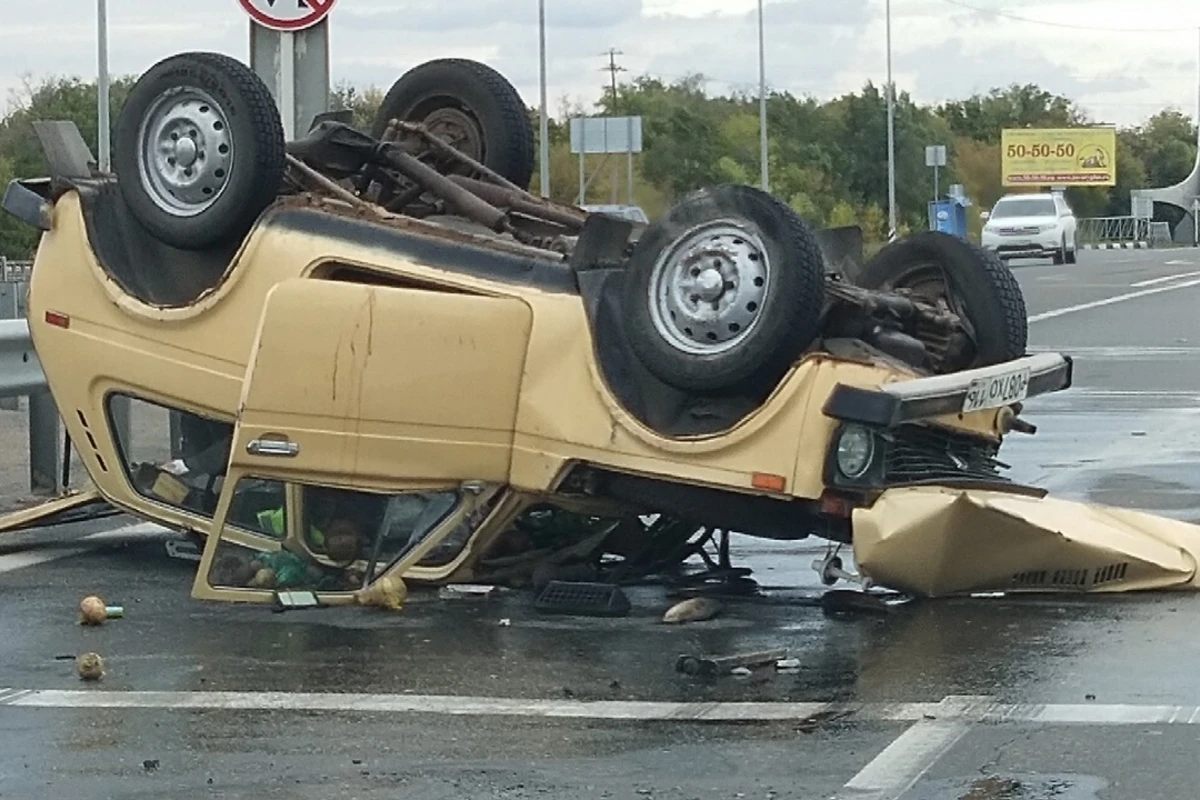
(287, 15)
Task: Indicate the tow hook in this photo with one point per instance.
(1008, 421)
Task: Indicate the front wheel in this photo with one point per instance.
(724, 291)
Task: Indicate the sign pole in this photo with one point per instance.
(102, 81)
(287, 83)
(289, 50)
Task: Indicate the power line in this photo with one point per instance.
(996, 12)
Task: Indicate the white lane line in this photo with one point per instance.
(1164, 279)
(1108, 301)
(951, 710)
(138, 530)
(902, 763)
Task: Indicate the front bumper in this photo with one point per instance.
(896, 403)
(1032, 245)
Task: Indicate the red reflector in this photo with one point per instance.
(57, 319)
(771, 483)
(834, 506)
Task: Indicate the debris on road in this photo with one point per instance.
(935, 541)
(849, 601)
(583, 599)
(787, 664)
(92, 611)
(467, 591)
(721, 665)
(89, 666)
(696, 609)
(387, 593)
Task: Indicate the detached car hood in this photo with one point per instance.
(936, 541)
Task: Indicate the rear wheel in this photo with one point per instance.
(199, 149)
(973, 282)
(724, 291)
(470, 106)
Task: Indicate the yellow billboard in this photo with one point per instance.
(1059, 156)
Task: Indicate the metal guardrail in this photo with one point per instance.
(20, 371)
(1113, 232)
(1160, 234)
(21, 376)
(17, 271)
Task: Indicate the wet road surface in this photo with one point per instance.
(973, 699)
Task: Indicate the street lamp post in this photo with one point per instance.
(102, 83)
(762, 102)
(544, 130)
(891, 128)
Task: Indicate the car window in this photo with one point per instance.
(1024, 208)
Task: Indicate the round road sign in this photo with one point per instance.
(287, 15)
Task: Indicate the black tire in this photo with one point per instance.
(251, 130)
(504, 134)
(792, 293)
(985, 289)
(1061, 256)
(1072, 256)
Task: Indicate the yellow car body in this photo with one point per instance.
(390, 355)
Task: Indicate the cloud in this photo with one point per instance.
(817, 47)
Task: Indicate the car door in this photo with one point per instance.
(374, 422)
(384, 384)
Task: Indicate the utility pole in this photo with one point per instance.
(543, 123)
(891, 130)
(762, 103)
(102, 82)
(613, 69)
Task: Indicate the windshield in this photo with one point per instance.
(1031, 207)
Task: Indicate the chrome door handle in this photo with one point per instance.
(272, 447)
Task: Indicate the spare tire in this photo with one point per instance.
(974, 282)
(471, 106)
(199, 150)
(724, 291)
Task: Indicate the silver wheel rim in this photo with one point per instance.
(185, 152)
(707, 289)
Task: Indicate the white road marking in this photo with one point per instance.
(1166, 278)
(1108, 301)
(950, 710)
(1179, 262)
(138, 530)
(902, 763)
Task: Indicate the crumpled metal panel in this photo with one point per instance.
(937, 541)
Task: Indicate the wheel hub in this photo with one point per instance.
(710, 285)
(186, 152)
(708, 288)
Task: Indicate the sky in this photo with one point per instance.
(1122, 61)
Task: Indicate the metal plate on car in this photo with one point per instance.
(998, 390)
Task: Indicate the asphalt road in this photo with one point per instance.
(973, 699)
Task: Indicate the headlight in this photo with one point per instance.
(855, 451)
(1049, 227)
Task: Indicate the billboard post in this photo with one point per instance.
(1059, 156)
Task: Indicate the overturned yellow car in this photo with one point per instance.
(378, 355)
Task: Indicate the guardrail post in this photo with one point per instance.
(8, 310)
(45, 467)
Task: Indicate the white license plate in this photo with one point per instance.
(1001, 390)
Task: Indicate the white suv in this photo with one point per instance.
(1031, 226)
